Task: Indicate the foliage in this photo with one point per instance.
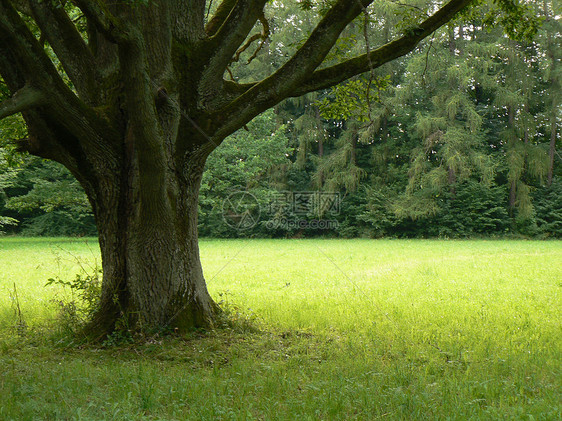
(47, 199)
(351, 99)
(474, 209)
(252, 161)
(548, 210)
(76, 310)
(6, 220)
(5, 177)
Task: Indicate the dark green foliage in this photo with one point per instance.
(548, 210)
(46, 199)
(366, 213)
(251, 161)
(376, 214)
(474, 209)
(76, 310)
(60, 223)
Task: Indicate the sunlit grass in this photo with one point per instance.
(347, 329)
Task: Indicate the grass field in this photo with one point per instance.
(325, 329)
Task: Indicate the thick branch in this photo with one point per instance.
(157, 34)
(316, 47)
(330, 76)
(28, 55)
(234, 89)
(231, 35)
(188, 22)
(98, 13)
(25, 62)
(68, 45)
(289, 81)
(219, 17)
(143, 124)
(22, 6)
(24, 99)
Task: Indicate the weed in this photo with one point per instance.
(20, 323)
(75, 311)
(233, 316)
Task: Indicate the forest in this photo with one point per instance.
(459, 138)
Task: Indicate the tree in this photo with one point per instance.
(134, 107)
(250, 160)
(5, 175)
(46, 199)
(552, 30)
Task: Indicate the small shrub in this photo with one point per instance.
(84, 301)
(236, 318)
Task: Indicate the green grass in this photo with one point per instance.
(346, 329)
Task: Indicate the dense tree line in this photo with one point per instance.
(459, 138)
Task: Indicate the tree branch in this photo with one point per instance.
(69, 46)
(219, 17)
(280, 84)
(230, 36)
(24, 99)
(188, 19)
(24, 62)
(27, 55)
(263, 35)
(142, 118)
(109, 25)
(317, 46)
(22, 6)
(298, 77)
(330, 76)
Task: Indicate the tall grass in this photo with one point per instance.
(340, 329)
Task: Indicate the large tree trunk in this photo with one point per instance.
(551, 148)
(152, 274)
(512, 197)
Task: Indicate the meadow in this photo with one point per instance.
(319, 330)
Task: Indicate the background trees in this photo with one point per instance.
(458, 138)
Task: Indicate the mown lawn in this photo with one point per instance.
(323, 329)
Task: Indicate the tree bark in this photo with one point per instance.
(512, 182)
(152, 274)
(552, 147)
(512, 197)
